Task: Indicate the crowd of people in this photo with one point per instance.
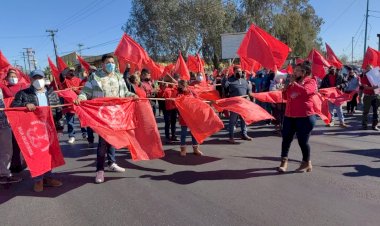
(295, 117)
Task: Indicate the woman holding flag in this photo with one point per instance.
(299, 115)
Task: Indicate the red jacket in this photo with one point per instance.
(299, 99)
(11, 90)
(170, 93)
(364, 81)
(187, 93)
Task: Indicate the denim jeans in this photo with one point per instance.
(6, 151)
(104, 148)
(339, 112)
(183, 137)
(232, 122)
(41, 177)
(90, 135)
(70, 118)
(302, 127)
(170, 118)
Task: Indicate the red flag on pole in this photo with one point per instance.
(37, 138)
(249, 65)
(273, 97)
(205, 92)
(321, 107)
(332, 58)
(155, 69)
(181, 68)
(55, 72)
(84, 63)
(336, 96)
(319, 64)
(371, 57)
(130, 51)
(199, 117)
(257, 44)
(61, 64)
(248, 110)
(3, 61)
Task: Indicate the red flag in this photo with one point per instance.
(168, 69)
(336, 96)
(249, 65)
(130, 51)
(181, 68)
(61, 64)
(3, 61)
(371, 57)
(145, 140)
(299, 61)
(37, 138)
(289, 69)
(257, 44)
(155, 69)
(332, 58)
(319, 63)
(68, 95)
(274, 97)
(8, 101)
(248, 110)
(84, 63)
(205, 92)
(199, 117)
(195, 64)
(54, 71)
(321, 107)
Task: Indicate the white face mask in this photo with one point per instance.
(199, 78)
(39, 84)
(13, 81)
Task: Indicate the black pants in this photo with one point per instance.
(351, 105)
(170, 117)
(302, 127)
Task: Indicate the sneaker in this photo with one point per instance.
(375, 128)
(99, 177)
(9, 180)
(115, 168)
(51, 182)
(84, 136)
(343, 125)
(246, 137)
(331, 124)
(71, 140)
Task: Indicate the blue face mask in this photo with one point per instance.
(110, 67)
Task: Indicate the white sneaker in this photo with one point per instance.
(84, 136)
(115, 168)
(71, 140)
(99, 177)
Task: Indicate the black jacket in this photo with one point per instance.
(28, 96)
(340, 81)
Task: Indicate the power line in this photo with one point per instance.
(340, 15)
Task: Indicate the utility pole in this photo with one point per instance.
(52, 34)
(27, 50)
(15, 62)
(366, 27)
(80, 45)
(24, 57)
(352, 51)
(378, 35)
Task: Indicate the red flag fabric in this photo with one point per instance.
(37, 138)
(181, 68)
(332, 58)
(273, 97)
(156, 70)
(371, 57)
(319, 63)
(3, 61)
(336, 96)
(130, 51)
(195, 64)
(68, 95)
(145, 141)
(168, 69)
(205, 92)
(123, 123)
(84, 63)
(61, 64)
(199, 117)
(8, 101)
(321, 107)
(249, 65)
(299, 61)
(257, 44)
(248, 110)
(55, 72)
(289, 69)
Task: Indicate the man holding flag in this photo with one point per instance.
(105, 83)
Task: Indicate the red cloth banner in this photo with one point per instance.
(8, 101)
(273, 97)
(321, 107)
(319, 64)
(336, 96)
(83, 63)
(181, 68)
(248, 110)
(37, 138)
(130, 51)
(332, 58)
(371, 57)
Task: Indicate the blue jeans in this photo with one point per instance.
(70, 125)
(41, 177)
(104, 148)
(233, 119)
(6, 151)
(170, 118)
(339, 112)
(183, 136)
(302, 127)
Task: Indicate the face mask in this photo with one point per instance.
(13, 81)
(39, 84)
(47, 82)
(199, 78)
(110, 67)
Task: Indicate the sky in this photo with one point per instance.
(97, 25)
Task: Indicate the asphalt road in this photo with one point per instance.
(231, 185)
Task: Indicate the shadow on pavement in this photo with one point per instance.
(189, 177)
(361, 170)
(266, 158)
(172, 156)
